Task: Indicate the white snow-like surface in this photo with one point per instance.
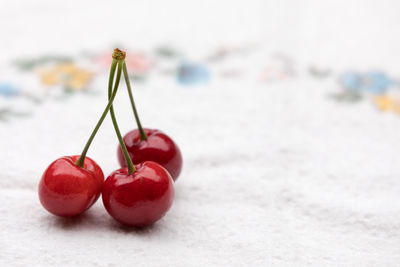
(275, 174)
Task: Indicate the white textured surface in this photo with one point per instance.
(274, 174)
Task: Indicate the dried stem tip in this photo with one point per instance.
(118, 54)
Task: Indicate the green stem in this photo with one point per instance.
(96, 128)
(143, 135)
(131, 167)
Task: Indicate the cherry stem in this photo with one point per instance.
(118, 57)
(143, 135)
(81, 159)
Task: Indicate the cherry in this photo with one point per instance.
(140, 198)
(71, 184)
(157, 147)
(67, 189)
(92, 166)
(135, 196)
(149, 144)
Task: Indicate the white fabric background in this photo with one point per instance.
(274, 174)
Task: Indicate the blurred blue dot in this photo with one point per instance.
(377, 82)
(351, 81)
(8, 90)
(189, 73)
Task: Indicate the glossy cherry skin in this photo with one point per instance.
(141, 198)
(158, 147)
(68, 190)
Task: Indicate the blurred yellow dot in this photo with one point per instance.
(49, 78)
(67, 75)
(384, 103)
(68, 68)
(76, 84)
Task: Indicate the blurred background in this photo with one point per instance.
(353, 43)
(287, 114)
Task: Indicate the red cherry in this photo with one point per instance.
(92, 166)
(140, 198)
(67, 189)
(158, 147)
